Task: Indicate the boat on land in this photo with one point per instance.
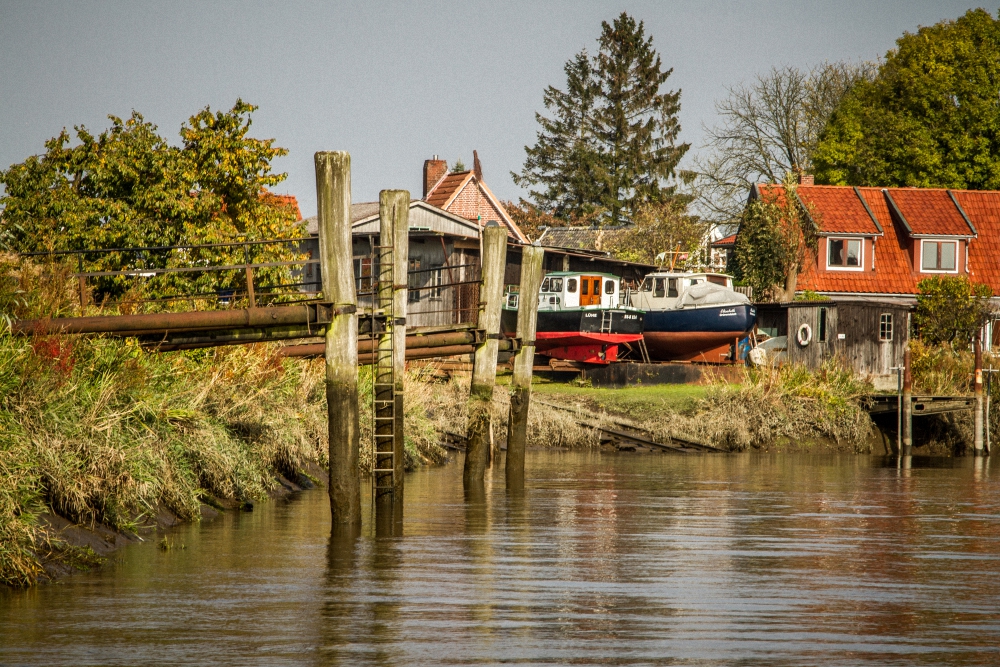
(692, 316)
(581, 317)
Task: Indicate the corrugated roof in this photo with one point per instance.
(359, 211)
(579, 238)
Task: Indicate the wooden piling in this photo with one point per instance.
(907, 448)
(484, 369)
(394, 207)
(977, 436)
(520, 396)
(333, 202)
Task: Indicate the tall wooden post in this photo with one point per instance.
(977, 436)
(520, 393)
(907, 406)
(484, 369)
(333, 203)
(394, 214)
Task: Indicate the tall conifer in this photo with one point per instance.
(611, 143)
(636, 125)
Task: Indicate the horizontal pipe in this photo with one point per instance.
(428, 340)
(162, 322)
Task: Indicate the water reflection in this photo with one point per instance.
(597, 559)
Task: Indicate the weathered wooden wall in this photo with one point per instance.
(852, 334)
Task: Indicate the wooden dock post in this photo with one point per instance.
(977, 436)
(333, 203)
(907, 409)
(484, 369)
(394, 237)
(524, 360)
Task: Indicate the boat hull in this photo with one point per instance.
(695, 334)
(580, 335)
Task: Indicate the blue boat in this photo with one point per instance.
(692, 316)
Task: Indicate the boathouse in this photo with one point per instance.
(868, 335)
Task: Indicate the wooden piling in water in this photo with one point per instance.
(484, 369)
(977, 436)
(524, 359)
(333, 203)
(907, 408)
(394, 212)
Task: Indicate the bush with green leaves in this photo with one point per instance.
(951, 310)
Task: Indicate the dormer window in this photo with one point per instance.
(845, 254)
(938, 256)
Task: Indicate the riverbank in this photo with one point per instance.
(103, 441)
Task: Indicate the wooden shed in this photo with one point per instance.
(869, 335)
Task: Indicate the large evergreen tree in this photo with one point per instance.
(930, 118)
(611, 143)
(636, 125)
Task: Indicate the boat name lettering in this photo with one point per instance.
(727, 312)
(590, 314)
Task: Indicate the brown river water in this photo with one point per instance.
(604, 559)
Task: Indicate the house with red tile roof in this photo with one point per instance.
(466, 194)
(880, 242)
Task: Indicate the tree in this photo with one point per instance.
(768, 128)
(775, 238)
(611, 143)
(660, 227)
(930, 117)
(129, 188)
(951, 309)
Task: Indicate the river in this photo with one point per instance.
(604, 559)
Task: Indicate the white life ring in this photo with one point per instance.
(804, 335)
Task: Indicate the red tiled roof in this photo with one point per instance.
(983, 209)
(835, 209)
(725, 241)
(446, 188)
(893, 273)
(929, 211)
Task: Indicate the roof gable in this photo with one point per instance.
(926, 212)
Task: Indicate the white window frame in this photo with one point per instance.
(923, 241)
(861, 259)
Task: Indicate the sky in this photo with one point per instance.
(394, 83)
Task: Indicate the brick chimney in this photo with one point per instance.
(805, 179)
(434, 170)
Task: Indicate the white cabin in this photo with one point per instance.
(563, 290)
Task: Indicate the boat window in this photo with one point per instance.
(718, 280)
(545, 286)
(672, 287)
(646, 285)
(555, 285)
(571, 285)
(695, 282)
(584, 286)
(609, 287)
(657, 287)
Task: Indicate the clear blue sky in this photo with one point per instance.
(393, 82)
